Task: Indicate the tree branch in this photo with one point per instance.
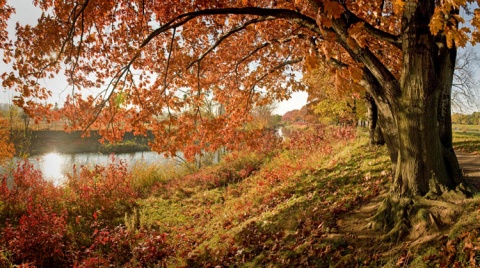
(394, 40)
(265, 44)
(288, 14)
(279, 66)
(227, 34)
(340, 28)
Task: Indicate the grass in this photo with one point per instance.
(286, 214)
(284, 208)
(279, 215)
(467, 142)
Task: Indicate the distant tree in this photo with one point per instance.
(263, 117)
(465, 81)
(302, 115)
(7, 149)
(331, 97)
(292, 116)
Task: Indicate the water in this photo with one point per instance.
(56, 166)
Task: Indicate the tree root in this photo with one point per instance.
(412, 218)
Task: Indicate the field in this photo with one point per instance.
(466, 138)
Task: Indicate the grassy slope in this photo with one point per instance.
(285, 213)
(280, 215)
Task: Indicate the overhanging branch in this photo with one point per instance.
(394, 40)
(388, 81)
(227, 34)
(267, 43)
(287, 14)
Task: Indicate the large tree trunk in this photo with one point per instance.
(426, 166)
(416, 130)
(421, 165)
(447, 58)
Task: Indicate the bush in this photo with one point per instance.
(34, 219)
(28, 188)
(232, 169)
(101, 193)
(122, 247)
(45, 226)
(40, 238)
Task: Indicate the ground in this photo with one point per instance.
(470, 164)
(354, 227)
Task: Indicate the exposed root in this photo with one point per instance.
(392, 216)
(412, 218)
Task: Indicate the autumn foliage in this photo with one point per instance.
(7, 149)
(190, 73)
(281, 207)
(83, 222)
(45, 225)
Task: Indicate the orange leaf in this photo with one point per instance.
(333, 9)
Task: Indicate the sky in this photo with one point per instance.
(26, 13)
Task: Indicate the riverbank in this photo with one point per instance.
(45, 141)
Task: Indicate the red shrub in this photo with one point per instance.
(28, 188)
(40, 238)
(101, 193)
(121, 247)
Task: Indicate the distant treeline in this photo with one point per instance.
(44, 141)
(466, 119)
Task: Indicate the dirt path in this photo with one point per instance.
(470, 164)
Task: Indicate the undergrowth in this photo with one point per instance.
(275, 208)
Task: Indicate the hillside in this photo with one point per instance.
(302, 203)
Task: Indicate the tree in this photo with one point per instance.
(334, 103)
(465, 83)
(5, 13)
(151, 59)
(264, 119)
(7, 150)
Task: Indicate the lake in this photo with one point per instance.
(55, 166)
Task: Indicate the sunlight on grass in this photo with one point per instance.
(467, 141)
(283, 208)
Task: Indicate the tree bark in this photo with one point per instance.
(372, 117)
(385, 119)
(447, 58)
(422, 166)
(375, 132)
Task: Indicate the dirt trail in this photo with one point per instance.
(470, 164)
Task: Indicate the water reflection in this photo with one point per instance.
(55, 166)
(51, 166)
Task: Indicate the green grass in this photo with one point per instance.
(460, 128)
(277, 216)
(466, 138)
(284, 213)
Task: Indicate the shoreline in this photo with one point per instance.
(39, 142)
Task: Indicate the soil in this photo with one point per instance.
(470, 164)
(354, 226)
